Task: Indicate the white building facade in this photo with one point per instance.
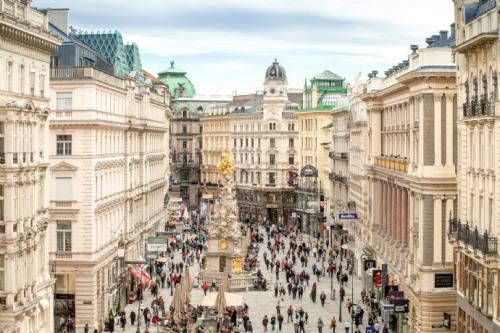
(25, 284)
(109, 175)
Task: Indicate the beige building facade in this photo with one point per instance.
(26, 287)
(109, 171)
(473, 229)
(412, 180)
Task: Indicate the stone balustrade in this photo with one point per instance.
(392, 163)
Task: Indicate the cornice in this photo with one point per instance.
(34, 39)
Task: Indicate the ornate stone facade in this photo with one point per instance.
(26, 294)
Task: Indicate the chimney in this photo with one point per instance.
(59, 18)
(429, 41)
(444, 35)
(436, 38)
(374, 73)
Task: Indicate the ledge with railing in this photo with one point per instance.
(464, 233)
(483, 107)
(392, 163)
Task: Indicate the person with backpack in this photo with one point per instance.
(280, 322)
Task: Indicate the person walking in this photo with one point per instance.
(265, 321)
(320, 325)
(333, 324)
(347, 325)
(280, 322)
(86, 328)
(322, 298)
(290, 314)
(132, 318)
(273, 322)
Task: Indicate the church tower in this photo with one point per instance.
(275, 91)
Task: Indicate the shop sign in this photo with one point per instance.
(157, 244)
(377, 278)
(348, 216)
(309, 171)
(272, 205)
(389, 289)
(401, 305)
(87, 302)
(443, 280)
(369, 263)
(397, 294)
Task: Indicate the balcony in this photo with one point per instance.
(392, 163)
(477, 41)
(463, 233)
(483, 108)
(338, 178)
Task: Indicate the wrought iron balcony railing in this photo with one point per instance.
(479, 242)
(484, 107)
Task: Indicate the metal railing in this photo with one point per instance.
(479, 242)
(484, 107)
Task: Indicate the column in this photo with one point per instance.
(404, 222)
(449, 129)
(448, 255)
(385, 204)
(437, 129)
(438, 229)
(400, 215)
(390, 213)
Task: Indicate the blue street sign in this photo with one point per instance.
(348, 216)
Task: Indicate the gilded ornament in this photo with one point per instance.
(225, 166)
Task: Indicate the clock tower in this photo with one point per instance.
(275, 91)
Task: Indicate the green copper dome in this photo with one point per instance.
(178, 84)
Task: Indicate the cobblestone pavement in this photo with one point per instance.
(264, 303)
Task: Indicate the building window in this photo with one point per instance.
(64, 100)
(234, 142)
(2, 272)
(272, 159)
(42, 85)
(64, 236)
(291, 159)
(246, 142)
(252, 141)
(9, 76)
(32, 83)
(184, 114)
(63, 144)
(272, 178)
(64, 188)
(291, 143)
(184, 129)
(184, 144)
(241, 142)
(272, 142)
(21, 79)
(272, 126)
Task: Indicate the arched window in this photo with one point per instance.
(184, 114)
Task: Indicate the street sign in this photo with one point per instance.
(157, 244)
(401, 305)
(152, 255)
(348, 216)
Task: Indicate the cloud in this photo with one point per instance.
(237, 39)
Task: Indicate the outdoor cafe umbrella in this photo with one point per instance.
(186, 287)
(177, 301)
(220, 301)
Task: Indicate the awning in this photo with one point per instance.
(162, 259)
(44, 303)
(231, 300)
(140, 273)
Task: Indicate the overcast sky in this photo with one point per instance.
(226, 45)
